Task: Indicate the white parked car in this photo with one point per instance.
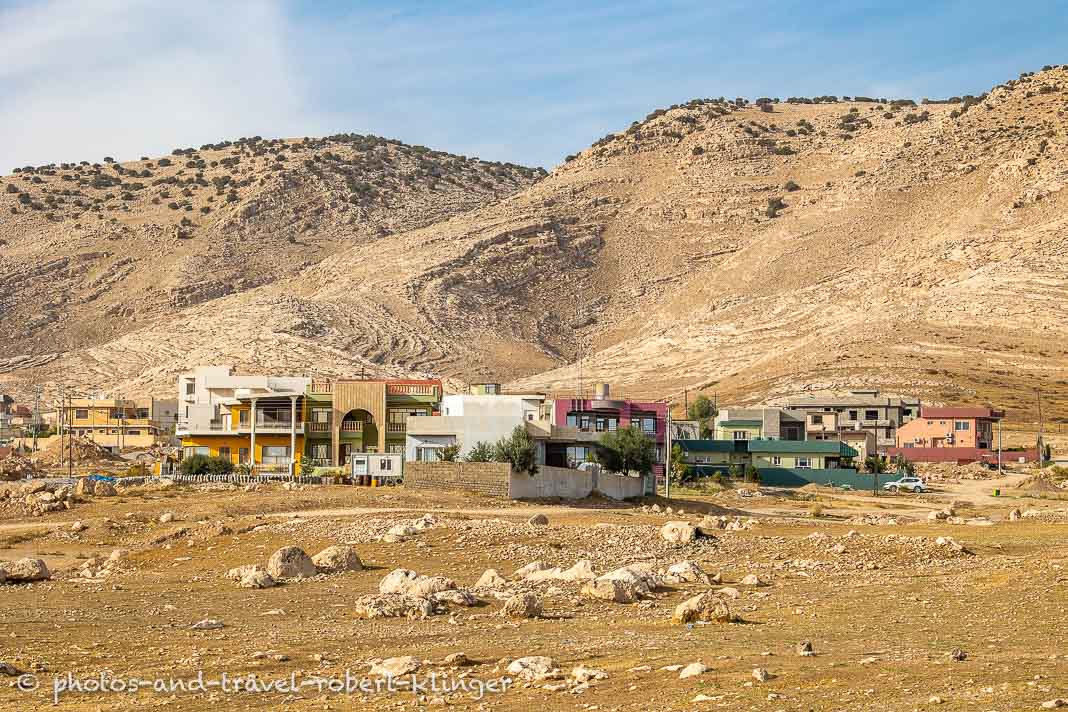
(906, 484)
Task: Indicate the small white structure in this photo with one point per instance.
(468, 420)
(384, 467)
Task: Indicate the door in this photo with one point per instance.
(345, 450)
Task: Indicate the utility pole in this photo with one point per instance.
(70, 439)
(1041, 432)
(1000, 473)
(36, 414)
(667, 452)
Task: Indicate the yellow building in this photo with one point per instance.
(119, 423)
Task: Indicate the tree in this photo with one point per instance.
(626, 450)
(518, 450)
(903, 466)
(735, 472)
(481, 452)
(681, 472)
(702, 410)
(449, 453)
(875, 464)
(752, 474)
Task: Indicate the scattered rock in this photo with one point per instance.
(395, 667)
(335, 559)
(539, 520)
(490, 579)
(393, 605)
(533, 668)
(522, 605)
(693, 670)
(678, 532)
(958, 655)
(290, 562)
(166, 518)
(25, 570)
(804, 649)
(208, 624)
(708, 606)
(457, 660)
(752, 580)
(256, 578)
(761, 675)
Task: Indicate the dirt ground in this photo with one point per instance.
(883, 605)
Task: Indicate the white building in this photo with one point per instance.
(218, 411)
(468, 420)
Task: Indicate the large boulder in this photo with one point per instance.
(257, 578)
(85, 486)
(490, 579)
(625, 585)
(686, 572)
(522, 605)
(393, 605)
(581, 571)
(534, 668)
(25, 571)
(395, 667)
(335, 559)
(104, 489)
(397, 581)
(678, 532)
(290, 562)
(538, 520)
(429, 585)
(524, 571)
(707, 607)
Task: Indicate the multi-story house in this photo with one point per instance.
(570, 428)
(118, 423)
(347, 416)
(254, 420)
(485, 414)
(954, 427)
(868, 411)
(758, 423)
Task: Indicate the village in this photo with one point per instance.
(379, 431)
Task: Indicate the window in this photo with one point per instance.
(320, 451)
(572, 420)
(426, 454)
(133, 432)
(275, 455)
(399, 416)
(852, 415)
(320, 415)
(242, 417)
(395, 448)
(776, 460)
(224, 452)
(385, 464)
(577, 454)
(962, 425)
(817, 420)
(142, 413)
(871, 415)
(741, 434)
(190, 388)
(81, 414)
(243, 454)
(803, 463)
(648, 425)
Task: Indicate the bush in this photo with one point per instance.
(791, 186)
(481, 452)
(449, 453)
(774, 206)
(518, 450)
(206, 465)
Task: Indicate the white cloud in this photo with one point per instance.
(124, 78)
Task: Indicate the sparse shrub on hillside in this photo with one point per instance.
(766, 108)
(916, 118)
(697, 150)
(783, 151)
(164, 162)
(774, 206)
(791, 186)
(12, 188)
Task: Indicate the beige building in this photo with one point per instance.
(120, 423)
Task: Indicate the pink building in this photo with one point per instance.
(578, 423)
(955, 427)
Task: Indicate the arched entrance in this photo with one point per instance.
(357, 432)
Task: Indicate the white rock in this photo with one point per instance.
(538, 520)
(207, 624)
(692, 670)
(678, 532)
(335, 559)
(533, 668)
(290, 562)
(395, 667)
(522, 605)
(490, 579)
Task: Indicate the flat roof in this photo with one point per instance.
(804, 447)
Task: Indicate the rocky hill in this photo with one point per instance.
(757, 250)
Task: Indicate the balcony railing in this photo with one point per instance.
(314, 427)
(396, 427)
(352, 426)
(322, 387)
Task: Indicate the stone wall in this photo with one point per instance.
(620, 486)
(551, 482)
(487, 478)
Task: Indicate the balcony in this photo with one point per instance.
(321, 387)
(270, 426)
(318, 427)
(352, 426)
(399, 428)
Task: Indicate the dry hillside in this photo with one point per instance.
(718, 244)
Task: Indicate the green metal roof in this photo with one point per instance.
(708, 446)
(740, 424)
(803, 447)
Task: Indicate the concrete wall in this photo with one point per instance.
(486, 478)
(572, 484)
(551, 482)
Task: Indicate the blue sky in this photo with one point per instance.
(510, 81)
